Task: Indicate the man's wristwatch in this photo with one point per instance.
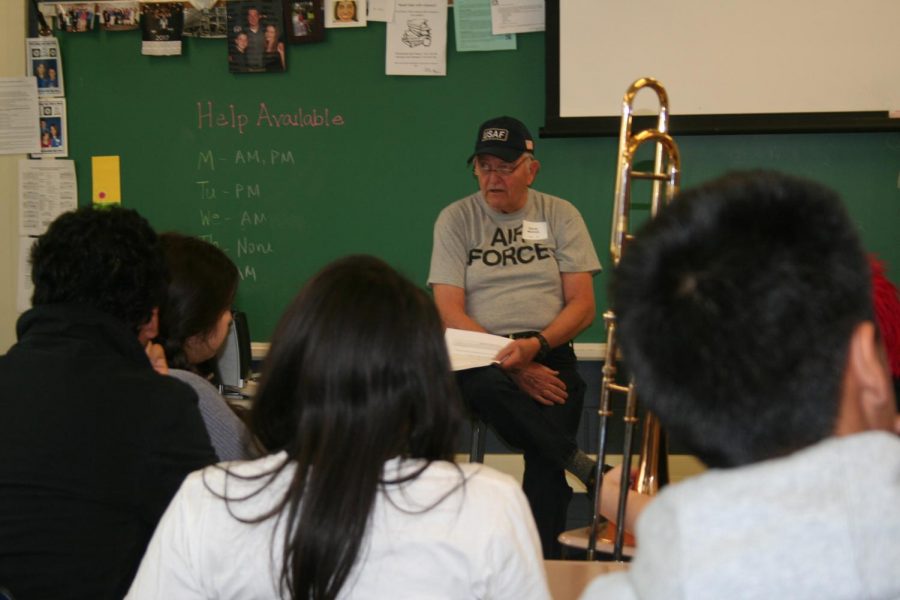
(545, 346)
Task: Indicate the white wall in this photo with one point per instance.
(12, 64)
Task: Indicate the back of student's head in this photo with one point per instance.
(201, 286)
(357, 373)
(360, 349)
(108, 259)
(735, 307)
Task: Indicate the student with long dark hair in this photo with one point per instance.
(361, 498)
(193, 325)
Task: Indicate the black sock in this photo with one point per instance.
(582, 466)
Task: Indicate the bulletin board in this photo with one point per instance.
(287, 172)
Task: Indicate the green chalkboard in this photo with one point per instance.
(372, 159)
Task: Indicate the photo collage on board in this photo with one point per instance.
(307, 21)
(206, 20)
(162, 24)
(256, 31)
(345, 13)
(256, 37)
(119, 15)
(44, 63)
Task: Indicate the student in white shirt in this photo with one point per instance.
(360, 497)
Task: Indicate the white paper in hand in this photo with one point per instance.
(470, 349)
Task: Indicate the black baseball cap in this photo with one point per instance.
(504, 137)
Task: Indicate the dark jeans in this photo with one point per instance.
(545, 434)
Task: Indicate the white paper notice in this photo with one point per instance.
(19, 132)
(45, 64)
(472, 24)
(517, 16)
(47, 188)
(381, 10)
(470, 349)
(54, 132)
(417, 38)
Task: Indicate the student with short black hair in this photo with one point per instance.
(745, 313)
(94, 443)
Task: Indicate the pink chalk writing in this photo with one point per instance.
(211, 116)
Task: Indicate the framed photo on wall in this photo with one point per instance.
(304, 21)
(345, 13)
(256, 36)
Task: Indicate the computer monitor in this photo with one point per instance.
(233, 364)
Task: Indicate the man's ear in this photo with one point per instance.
(868, 381)
(150, 329)
(533, 169)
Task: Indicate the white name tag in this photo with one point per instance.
(534, 230)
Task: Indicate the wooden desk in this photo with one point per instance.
(578, 538)
(568, 578)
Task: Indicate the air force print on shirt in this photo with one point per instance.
(510, 247)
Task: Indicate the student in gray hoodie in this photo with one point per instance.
(745, 312)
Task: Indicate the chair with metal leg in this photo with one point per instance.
(479, 435)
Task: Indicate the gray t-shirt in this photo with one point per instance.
(510, 264)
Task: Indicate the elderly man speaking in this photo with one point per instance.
(516, 262)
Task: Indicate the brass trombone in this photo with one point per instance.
(665, 177)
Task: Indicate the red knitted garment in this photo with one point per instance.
(887, 311)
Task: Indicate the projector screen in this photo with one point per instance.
(728, 66)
